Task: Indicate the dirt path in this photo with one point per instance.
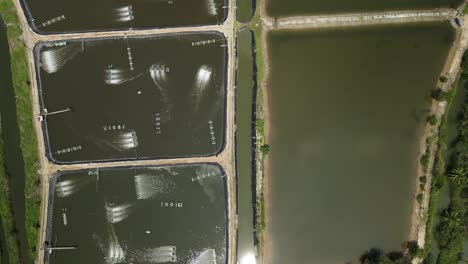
(358, 19)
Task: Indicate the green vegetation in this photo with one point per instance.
(420, 198)
(425, 157)
(256, 26)
(6, 213)
(377, 256)
(443, 79)
(432, 120)
(28, 139)
(451, 231)
(265, 149)
(440, 95)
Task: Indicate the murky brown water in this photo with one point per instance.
(347, 110)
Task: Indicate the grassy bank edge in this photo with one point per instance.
(21, 84)
(255, 25)
(6, 213)
(439, 170)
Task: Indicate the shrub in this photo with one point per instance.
(439, 95)
(265, 149)
(419, 198)
(443, 79)
(423, 179)
(432, 120)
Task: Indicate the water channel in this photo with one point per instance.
(168, 214)
(133, 98)
(10, 133)
(347, 110)
(244, 136)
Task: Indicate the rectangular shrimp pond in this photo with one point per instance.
(347, 111)
(167, 214)
(133, 98)
(52, 16)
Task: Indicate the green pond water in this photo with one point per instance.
(168, 214)
(244, 134)
(244, 10)
(347, 111)
(133, 98)
(278, 8)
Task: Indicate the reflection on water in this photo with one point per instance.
(249, 258)
(140, 215)
(151, 97)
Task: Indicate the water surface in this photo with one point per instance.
(168, 214)
(245, 9)
(134, 98)
(54, 16)
(347, 111)
(244, 133)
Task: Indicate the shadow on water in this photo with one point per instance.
(13, 158)
(3, 252)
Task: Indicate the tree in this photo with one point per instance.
(432, 119)
(458, 176)
(452, 218)
(265, 149)
(443, 79)
(440, 95)
(419, 198)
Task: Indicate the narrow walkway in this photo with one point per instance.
(359, 19)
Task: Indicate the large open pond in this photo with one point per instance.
(347, 111)
(53, 16)
(134, 98)
(278, 8)
(168, 214)
(244, 136)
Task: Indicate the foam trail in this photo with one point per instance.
(208, 177)
(154, 255)
(117, 213)
(158, 73)
(127, 140)
(124, 14)
(148, 186)
(212, 8)
(118, 76)
(69, 187)
(54, 58)
(115, 253)
(206, 257)
(202, 80)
